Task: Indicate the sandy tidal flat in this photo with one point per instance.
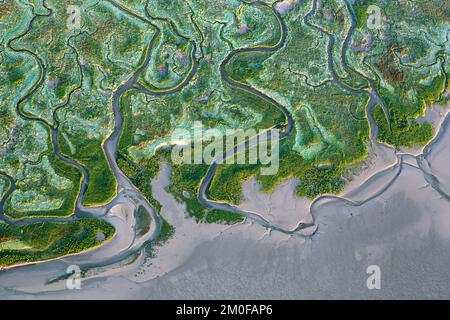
(397, 220)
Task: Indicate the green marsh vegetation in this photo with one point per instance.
(47, 240)
(84, 67)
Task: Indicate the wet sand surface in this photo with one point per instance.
(189, 234)
(399, 220)
(281, 207)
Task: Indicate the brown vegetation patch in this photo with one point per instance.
(388, 67)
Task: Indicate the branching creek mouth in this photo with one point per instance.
(129, 193)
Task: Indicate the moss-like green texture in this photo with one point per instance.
(47, 240)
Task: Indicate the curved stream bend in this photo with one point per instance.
(128, 190)
(288, 128)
